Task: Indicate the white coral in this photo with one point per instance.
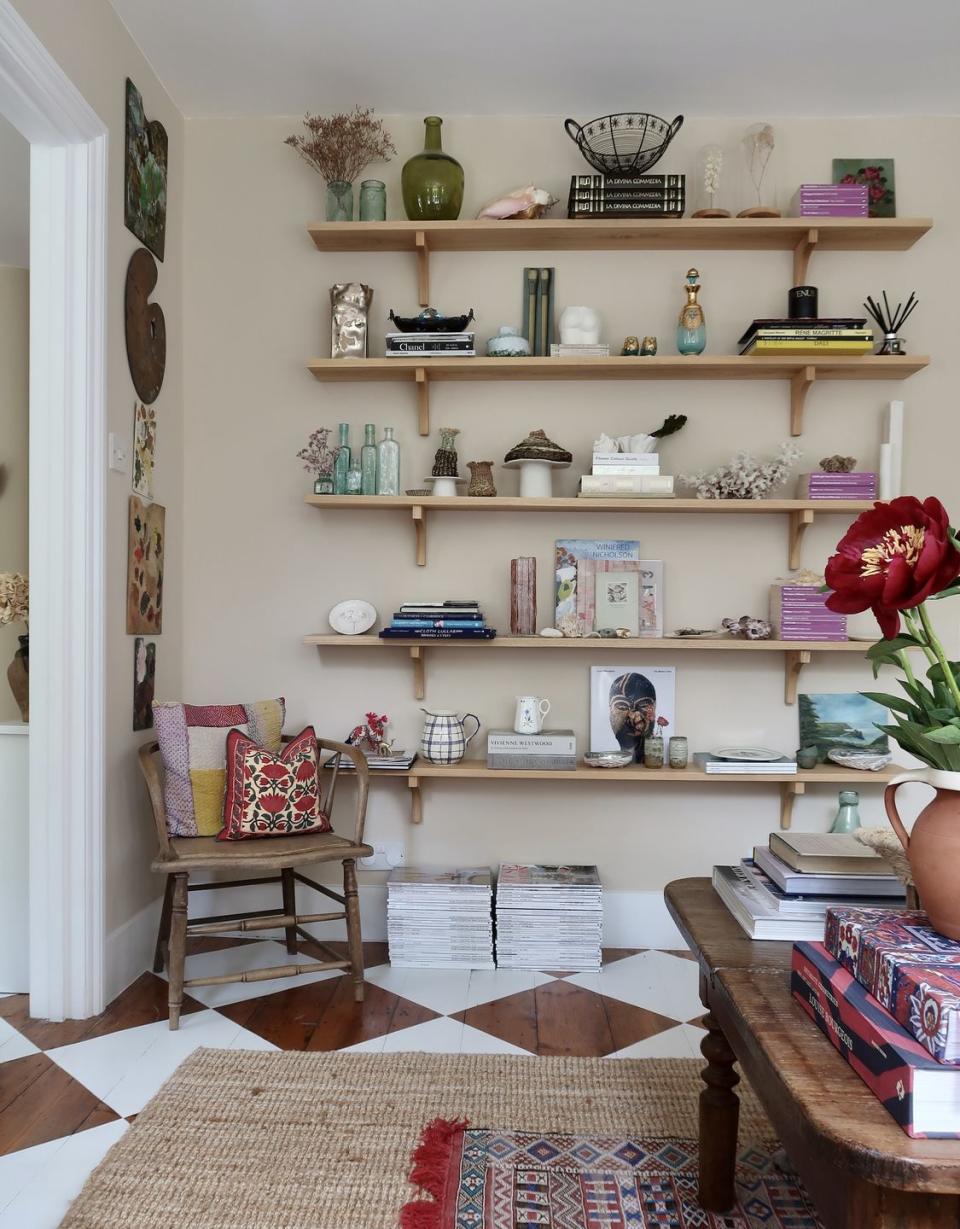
(744, 476)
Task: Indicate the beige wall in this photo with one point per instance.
(14, 425)
(92, 46)
(262, 569)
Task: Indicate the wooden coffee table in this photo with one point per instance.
(857, 1164)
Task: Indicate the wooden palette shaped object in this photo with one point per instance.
(146, 329)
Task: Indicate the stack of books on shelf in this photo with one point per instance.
(716, 764)
(884, 988)
(549, 917)
(631, 475)
(550, 750)
(393, 761)
(568, 350)
(431, 345)
(799, 612)
(830, 200)
(440, 918)
(614, 196)
(786, 889)
(454, 619)
(538, 295)
(826, 335)
(858, 484)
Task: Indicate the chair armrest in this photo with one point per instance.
(363, 781)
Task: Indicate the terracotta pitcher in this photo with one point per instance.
(933, 846)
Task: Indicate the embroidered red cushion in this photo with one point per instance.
(270, 794)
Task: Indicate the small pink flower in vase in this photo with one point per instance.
(662, 724)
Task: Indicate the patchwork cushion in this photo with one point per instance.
(270, 794)
(193, 747)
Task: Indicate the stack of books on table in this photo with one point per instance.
(630, 475)
(786, 889)
(799, 612)
(830, 200)
(860, 484)
(640, 196)
(394, 761)
(827, 335)
(884, 987)
(453, 619)
(716, 764)
(550, 750)
(440, 918)
(431, 345)
(549, 917)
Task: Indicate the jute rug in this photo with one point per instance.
(238, 1140)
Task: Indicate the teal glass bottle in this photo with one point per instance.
(373, 200)
(339, 201)
(432, 181)
(341, 467)
(848, 813)
(368, 461)
(691, 327)
(388, 464)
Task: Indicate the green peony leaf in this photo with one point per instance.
(945, 734)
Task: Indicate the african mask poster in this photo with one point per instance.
(145, 174)
(144, 677)
(628, 703)
(145, 568)
(144, 448)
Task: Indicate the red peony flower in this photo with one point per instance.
(893, 558)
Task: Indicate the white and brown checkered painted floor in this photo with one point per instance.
(68, 1091)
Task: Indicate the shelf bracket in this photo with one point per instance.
(419, 671)
(789, 791)
(801, 256)
(416, 800)
(423, 267)
(800, 383)
(420, 530)
(794, 661)
(423, 400)
(799, 523)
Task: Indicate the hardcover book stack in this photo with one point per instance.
(538, 296)
(799, 612)
(440, 918)
(431, 345)
(550, 750)
(830, 200)
(716, 764)
(549, 917)
(860, 484)
(824, 335)
(641, 196)
(393, 761)
(628, 475)
(454, 619)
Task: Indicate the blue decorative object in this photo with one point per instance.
(692, 328)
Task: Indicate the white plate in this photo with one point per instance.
(755, 755)
(352, 617)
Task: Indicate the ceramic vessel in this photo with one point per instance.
(536, 477)
(444, 738)
(508, 344)
(691, 327)
(481, 479)
(530, 714)
(432, 181)
(933, 845)
(18, 676)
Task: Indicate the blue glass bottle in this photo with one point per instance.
(341, 467)
(691, 328)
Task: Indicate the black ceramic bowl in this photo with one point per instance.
(430, 321)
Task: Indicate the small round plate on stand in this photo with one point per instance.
(754, 755)
(352, 617)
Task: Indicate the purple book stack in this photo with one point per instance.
(861, 484)
(830, 200)
(799, 612)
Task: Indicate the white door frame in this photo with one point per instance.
(68, 227)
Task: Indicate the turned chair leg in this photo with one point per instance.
(163, 933)
(178, 946)
(354, 939)
(289, 885)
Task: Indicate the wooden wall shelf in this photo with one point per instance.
(800, 512)
(800, 372)
(796, 653)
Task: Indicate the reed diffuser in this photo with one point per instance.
(891, 321)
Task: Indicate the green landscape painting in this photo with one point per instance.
(845, 721)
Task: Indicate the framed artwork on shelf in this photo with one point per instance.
(629, 702)
(146, 546)
(144, 449)
(877, 174)
(144, 676)
(842, 721)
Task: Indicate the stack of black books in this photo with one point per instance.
(431, 345)
(454, 619)
(642, 196)
(825, 335)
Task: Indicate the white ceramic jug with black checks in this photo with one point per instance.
(444, 739)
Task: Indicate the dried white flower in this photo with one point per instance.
(744, 476)
(758, 145)
(712, 165)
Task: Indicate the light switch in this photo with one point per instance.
(118, 454)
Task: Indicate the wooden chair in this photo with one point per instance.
(179, 857)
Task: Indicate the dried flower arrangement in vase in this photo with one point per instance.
(709, 166)
(338, 147)
(15, 608)
(744, 476)
(319, 458)
(758, 145)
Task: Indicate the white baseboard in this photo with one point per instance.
(128, 950)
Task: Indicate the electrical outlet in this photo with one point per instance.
(378, 862)
(394, 854)
(119, 457)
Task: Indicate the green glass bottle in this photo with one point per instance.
(368, 461)
(432, 181)
(341, 467)
(848, 813)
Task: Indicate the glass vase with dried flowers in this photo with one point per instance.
(15, 608)
(339, 147)
(758, 144)
(319, 458)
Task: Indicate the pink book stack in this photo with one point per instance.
(830, 200)
(860, 484)
(799, 612)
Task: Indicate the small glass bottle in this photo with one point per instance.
(368, 461)
(677, 752)
(354, 479)
(691, 327)
(653, 751)
(848, 813)
(341, 467)
(388, 464)
(373, 200)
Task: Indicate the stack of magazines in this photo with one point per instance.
(440, 918)
(430, 345)
(398, 761)
(453, 619)
(549, 917)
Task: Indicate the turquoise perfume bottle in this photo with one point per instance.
(341, 467)
(368, 461)
(692, 328)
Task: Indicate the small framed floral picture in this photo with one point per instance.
(877, 174)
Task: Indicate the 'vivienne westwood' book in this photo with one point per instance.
(922, 1095)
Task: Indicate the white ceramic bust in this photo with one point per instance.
(579, 326)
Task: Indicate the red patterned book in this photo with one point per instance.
(908, 968)
(920, 1093)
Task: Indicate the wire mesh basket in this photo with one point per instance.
(626, 144)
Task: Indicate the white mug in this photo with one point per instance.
(530, 714)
